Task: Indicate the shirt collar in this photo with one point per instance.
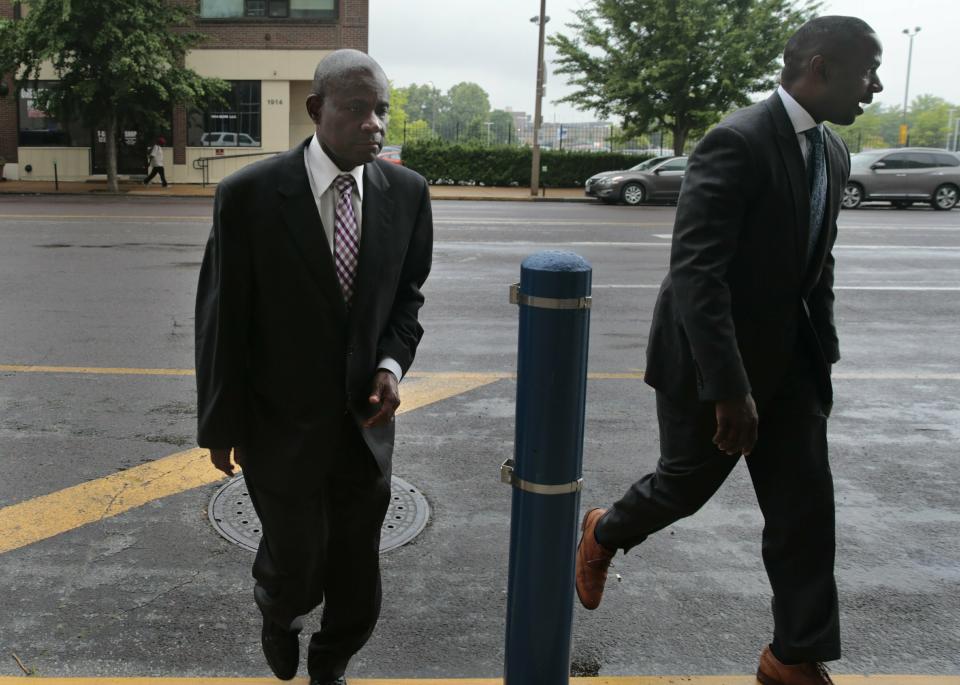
(323, 171)
(799, 117)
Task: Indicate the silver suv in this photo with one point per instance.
(904, 176)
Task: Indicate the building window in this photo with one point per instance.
(38, 128)
(235, 124)
(272, 9)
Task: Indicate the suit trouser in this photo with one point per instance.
(791, 475)
(323, 545)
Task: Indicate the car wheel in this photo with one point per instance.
(945, 197)
(852, 196)
(633, 194)
(901, 204)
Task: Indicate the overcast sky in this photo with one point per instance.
(494, 44)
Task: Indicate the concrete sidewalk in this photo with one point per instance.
(135, 189)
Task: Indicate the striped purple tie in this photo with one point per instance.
(346, 239)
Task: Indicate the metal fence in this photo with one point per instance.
(583, 137)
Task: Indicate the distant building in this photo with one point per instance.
(266, 49)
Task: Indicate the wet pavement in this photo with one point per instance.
(107, 284)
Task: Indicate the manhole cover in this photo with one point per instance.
(233, 516)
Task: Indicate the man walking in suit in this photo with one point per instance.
(743, 339)
(306, 320)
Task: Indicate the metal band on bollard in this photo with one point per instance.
(517, 297)
(510, 478)
(546, 468)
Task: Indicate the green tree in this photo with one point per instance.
(119, 62)
(675, 65)
(398, 115)
(502, 127)
(879, 126)
(929, 117)
(467, 108)
(425, 103)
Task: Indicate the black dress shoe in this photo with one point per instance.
(281, 648)
(336, 681)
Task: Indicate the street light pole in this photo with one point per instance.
(535, 164)
(906, 91)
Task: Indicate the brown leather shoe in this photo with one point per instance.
(593, 559)
(772, 671)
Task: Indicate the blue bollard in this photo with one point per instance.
(554, 299)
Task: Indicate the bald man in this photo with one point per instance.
(306, 320)
(743, 339)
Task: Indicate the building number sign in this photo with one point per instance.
(275, 101)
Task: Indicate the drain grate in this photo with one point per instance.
(232, 515)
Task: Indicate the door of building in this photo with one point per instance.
(132, 152)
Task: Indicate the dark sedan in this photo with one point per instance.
(655, 179)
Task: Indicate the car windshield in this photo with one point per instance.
(863, 160)
(648, 163)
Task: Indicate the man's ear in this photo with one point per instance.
(818, 68)
(314, 105)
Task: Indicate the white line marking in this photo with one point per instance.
(520, 222)
(892, 288)
(937, 248)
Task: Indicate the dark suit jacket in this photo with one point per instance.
(279, 358)
(740, 294)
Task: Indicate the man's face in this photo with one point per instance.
(852, 80)
(352, 118)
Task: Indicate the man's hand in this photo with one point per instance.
(385, 393)
(220, 457)
(736, 426)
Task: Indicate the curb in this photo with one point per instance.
(460, 198)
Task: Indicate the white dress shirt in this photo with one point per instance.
(322, 172)
(800, 118)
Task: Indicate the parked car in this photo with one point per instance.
(904, 176)
(227, 139)
(654, 179)
(391, 153)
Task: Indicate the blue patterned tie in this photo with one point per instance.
(817, 177)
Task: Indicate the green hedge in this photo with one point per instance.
(450, 164)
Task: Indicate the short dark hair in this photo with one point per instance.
(338, 65)
(828, 36)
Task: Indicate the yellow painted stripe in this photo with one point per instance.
(101, 370)
(43, 517)
(48, 515)
(595, 376)
(602, 680)
(101, 217)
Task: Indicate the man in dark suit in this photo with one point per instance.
(743, 339)
(306, 320)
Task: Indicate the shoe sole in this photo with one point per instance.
(767, 680)
(583, 531)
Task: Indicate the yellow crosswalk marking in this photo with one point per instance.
(48, 515)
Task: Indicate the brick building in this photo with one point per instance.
(266, 49)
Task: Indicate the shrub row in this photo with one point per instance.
(443, 163)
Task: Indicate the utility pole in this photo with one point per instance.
(950, 138)
(535, 164)
(904, 129)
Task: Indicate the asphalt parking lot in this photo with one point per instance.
(96, 344)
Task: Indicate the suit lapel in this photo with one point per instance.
(375, 235)
(299, 211)
(797, 175)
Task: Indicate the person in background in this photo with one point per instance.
(155, 160)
